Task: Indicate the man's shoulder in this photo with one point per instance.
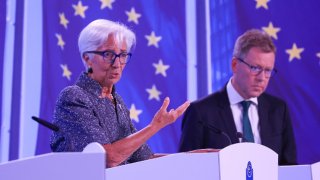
(271, 99)
(213, 99)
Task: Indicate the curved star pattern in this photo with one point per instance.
(63, 20)
(318, 55)
(79, 9)
(154, 93)
(271, 30)
(60, 43)
(153, 39)
(262, 3)
(133, 16)
(106, 3)
(134, 113)
(294, 52)
(161, 68)
(66, 72)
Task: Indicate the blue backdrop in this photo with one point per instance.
(2, 40)
(160, 66)
(294, 27)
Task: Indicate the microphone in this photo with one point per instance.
(241, 137)
(113, 92)
(65, 138)
(217, 130)
(46, 124)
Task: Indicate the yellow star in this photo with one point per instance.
(318, 55)
(80, 9)
(106, 3)
(66, 72)
(154, 93)
(294, 52)
(153, 39)
(134, 113)
(161, 68)
(61, 43)
(63, 20)
(262, 3)
(271, 30)
(133, 16)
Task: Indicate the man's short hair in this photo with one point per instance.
(253, 38)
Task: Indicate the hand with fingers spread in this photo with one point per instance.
(163, 118)
(123, 148)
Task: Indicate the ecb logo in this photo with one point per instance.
(249, 171)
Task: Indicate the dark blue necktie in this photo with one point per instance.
(247, 131)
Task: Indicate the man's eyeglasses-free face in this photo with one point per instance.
(110, 56)
(255, 70)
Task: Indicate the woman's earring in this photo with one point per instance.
(90, 71)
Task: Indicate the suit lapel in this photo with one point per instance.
(263, 109)
(227, 117)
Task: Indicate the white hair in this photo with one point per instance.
(96, 33)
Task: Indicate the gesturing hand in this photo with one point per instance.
(162, 118)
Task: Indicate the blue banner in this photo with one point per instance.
(2, 40)
(294, 27)
(157, 68)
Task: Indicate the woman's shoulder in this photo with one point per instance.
(72, 93)
(71, 90)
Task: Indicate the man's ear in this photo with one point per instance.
(234, 63)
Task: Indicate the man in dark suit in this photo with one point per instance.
(242, 111)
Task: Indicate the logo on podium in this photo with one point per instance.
(249, 171)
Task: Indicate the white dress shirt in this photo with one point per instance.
(235, 98)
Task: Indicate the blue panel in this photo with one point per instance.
(224, 31)
(295, 172)
(164, 18)
(16, 84)
(2, 40)
(297, 80)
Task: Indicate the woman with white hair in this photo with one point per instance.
(91, 110)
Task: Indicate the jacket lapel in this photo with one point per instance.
(227, 117)
(263, 109)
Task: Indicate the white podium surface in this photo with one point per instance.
(300, 172)
(315, 171)
(228, 164)
(296, 172)
(186, 166)
(234, 161)
(86, 165)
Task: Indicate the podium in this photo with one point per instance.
(239, 161)
(86, 165)
(300, 172)
(315, 168)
